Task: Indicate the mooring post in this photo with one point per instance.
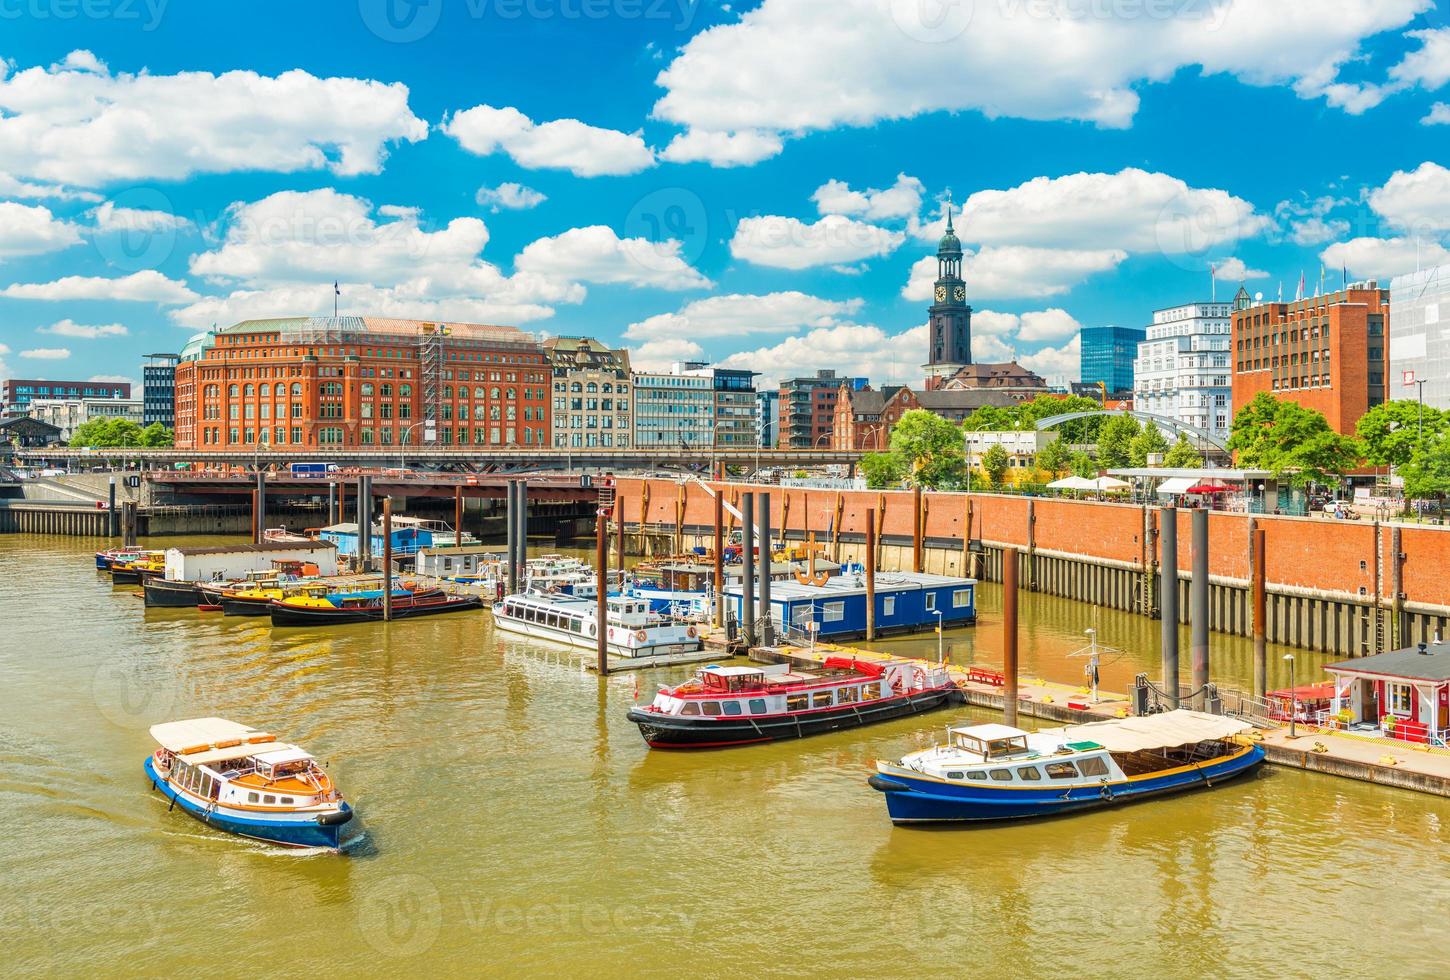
(870, 575)
(1168, 598)
(113, 526)
(511, 547)
(1397, 587)
(969, 561)
(619, 529)
(1198, 610)
(365, 522)
(601, 586)
(767, 565)
(747, 581)
(521, 537)
(331, 502)
(1031, 545)
(387, 559)
(1261, 641)
(1009, 635)
(458, 517)
(719, 559)
(261, 505)
(917, 557)
(256, 524)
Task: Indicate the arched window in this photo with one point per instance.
(493, 392)
(608, 387)
(576, 386)
(296, 390)
(592, 388)
(233, 391)
(264, 390)
(367, 390)
(250, 391)
(406, 391)
(509, 393)
(447, 391)
(479, 392)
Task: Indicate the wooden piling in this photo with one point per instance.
(1261, 642)
(917, 549)
(1009, 635)
(870, 575)
(387, 559)
(458, 516)
(601, 585)
(719, 558)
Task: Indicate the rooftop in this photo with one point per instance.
(1432, 665)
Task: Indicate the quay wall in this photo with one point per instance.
(1346, 587)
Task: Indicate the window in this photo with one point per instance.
(870, 692)
(961, 598)
(976, 774)
(930, 601)
(757, 706)
(1402, 699)
(848, 695)
(269, 798)
(821, 699)
(888, 605)
(1029, 773)
(1093, 765)
(955, 775)
(711, 708)
(833, 612)
(1002, 775)
(732, 707)
(1061, 770)
(252, 797)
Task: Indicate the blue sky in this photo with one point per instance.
(755, 184)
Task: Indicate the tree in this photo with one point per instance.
(881, 470)
(995, 463)
(107, 433)
(1115, 441)
(1149, 440)
(930, 450)
(1286, 438)
(1182, 455)
(157, 436)
(1389, 432)
(1054, 457)
(1083, 465)
(1427, 472)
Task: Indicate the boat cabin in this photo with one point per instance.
(778, 689)
(446, 561)
(407, 538)
(239, 561)
(1402, 694)
(990, 741)
(906, 602)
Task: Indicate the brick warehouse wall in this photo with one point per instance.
(1310, 560)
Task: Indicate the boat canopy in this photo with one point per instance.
(197, 734)
(282, 755)
(1162, 731)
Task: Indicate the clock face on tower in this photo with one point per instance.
(960, 294)
(941, 294)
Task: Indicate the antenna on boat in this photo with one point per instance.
(1093, 651)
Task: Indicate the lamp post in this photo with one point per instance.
(1420, 425)
(1293, 697)
(940, 655)
(403, 443)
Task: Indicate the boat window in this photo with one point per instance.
(575, 624)
(821, 699)
(711, 708)
(732, 707)
(252, 797)
(930, 601)
(870, 692)
(833, 612)
(269, 798)
(954, 775)
(848, 695)
(961, 598)
(757, 706)
(1029, 773)
(690, 708)
(888, 605)
(976, 774)
(1002, 775)
(1093, 765)
(1061, 770)
(797, 702)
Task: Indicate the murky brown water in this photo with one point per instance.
(516, 823)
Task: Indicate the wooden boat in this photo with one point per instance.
(245, 782)
(725, 706)
(137, 570)
(365, 607)
(994, 772)
(258, 601)
(105, 559)
(168, 594)
(633, 631)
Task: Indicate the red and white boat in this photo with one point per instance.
(725, 706)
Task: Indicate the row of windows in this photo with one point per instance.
(1093, 765)
(592, 388)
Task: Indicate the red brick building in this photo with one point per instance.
(361, 381)
(857, 423)
(1329, 353)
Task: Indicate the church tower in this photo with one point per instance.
(949, 330)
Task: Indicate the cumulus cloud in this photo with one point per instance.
(109, 217)
(1382, 258)
(872, 60)
(407, 301)
(509, 197)
(46, 353)
(901, 200)
(1418, 199)
(1429, 65)
(722, 149)
(29, 190)
(564, 144)
(1015, 271)
(1233, 269)
(1309, 222)
(81, 331)
(662, 353)
(736, 314)
(1056, 364)
(852, 349)
(79, 123)
(1439, 115)
(596, 254)
(27, 230)
(787, 243)
(147, 286)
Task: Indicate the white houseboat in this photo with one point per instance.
(633, 632)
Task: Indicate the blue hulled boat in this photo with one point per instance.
(994, 772)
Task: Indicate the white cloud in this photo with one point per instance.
(997, 336)
(27, 230)
(1309, 223)
(147, 286)
(78, 123)
(901, 200)
(787, 243)
(408, 301)
(1382, 258)
(1439, 115)
(1132, 210)
(1015, 271)
(565, 144)
(597, 254)
(793, 66)
(737, 314)
(109, 217)
(1419, 199)
(81, 331)
(46, 353)
(1429, 66)
(509, 197)
(660, 354)
(1056, 364)
(852, 349)
(722, 149)
(1047, 326)
(121, 378)
(1233, 270)
(28, 190)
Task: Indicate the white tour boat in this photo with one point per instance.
(632, 630)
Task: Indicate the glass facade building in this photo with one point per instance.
(158, 389)
(1107, 356)
(1420, 336)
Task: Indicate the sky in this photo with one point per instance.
(759, 185)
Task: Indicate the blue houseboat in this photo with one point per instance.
(408, 537)
(906, 602)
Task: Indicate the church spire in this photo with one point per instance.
(949, 210)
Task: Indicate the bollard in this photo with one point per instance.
(387, 559)
(719, 542)
(601, 585)
(1261, 641)
(511, 528)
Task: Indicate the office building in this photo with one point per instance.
(158, 389)
(1182, 370)
(69, 414)
(592, 394)
(767, 417)
(1107, 357)
(1419, 347)
(673, 410)
(17, 393)
(808, 409)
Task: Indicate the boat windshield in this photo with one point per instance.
(995, 748)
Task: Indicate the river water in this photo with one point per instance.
(513, 822)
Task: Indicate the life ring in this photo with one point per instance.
(640, 635)
(690, 632)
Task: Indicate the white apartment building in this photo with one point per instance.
(1182, 370)
(69, 414)
(1419, 340)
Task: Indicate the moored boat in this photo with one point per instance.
(330, 610)
(243, 781)
(725, 706)
(994, 772)
(166, 593)
(632, 630)
(137, 570)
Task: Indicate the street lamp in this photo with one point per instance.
(403, 443)
(940, 656)
(1293, 698)
(1420, 425)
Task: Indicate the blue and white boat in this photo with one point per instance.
(995, 772)
(245, 782)
(906, 602)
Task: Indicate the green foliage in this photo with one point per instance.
(1427, 472)
(882, 470)
(1149, 440)
(1026, 415)
(157, 436)
(1182, 455)
(1390, 431)
(1116, 440)
(113, 433)
(930, 450)
(995, 463)
(1083, 465)
(1054, 457)
(1287, 439)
